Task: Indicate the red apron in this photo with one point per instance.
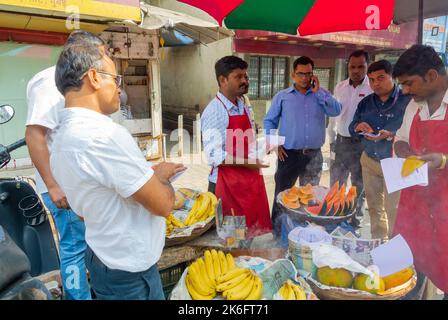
(240, 188)
(422, 217)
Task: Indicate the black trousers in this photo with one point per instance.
(347, 161)
(305, 165)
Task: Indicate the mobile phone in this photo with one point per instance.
(313, 83)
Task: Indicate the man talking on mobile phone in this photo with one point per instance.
(300, 112)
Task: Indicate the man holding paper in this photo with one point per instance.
(423, 211)
(376, 120)
(300, 112)
(227, 132)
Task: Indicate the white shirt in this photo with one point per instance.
(349, 97)
(99, 166)
(412, 108)
(214, 122)
(44, 103)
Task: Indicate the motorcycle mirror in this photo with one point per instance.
(6, 113)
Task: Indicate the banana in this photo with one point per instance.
(209, 266)
(299, 292)
(257, 290)
(197, 282)
(204, 274)
(223, 262)
(216, 263)
(214, 202)
(291, 294)
(241, 291)
(232, 274)
(187, 192)
(193, 293)
(191, 214)
(230, 284)
(230, 262)
(175, 222)
(202, 212)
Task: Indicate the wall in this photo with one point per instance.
(18, 64)
(188, 76)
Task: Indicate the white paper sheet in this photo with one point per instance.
(392, 175)
(392, 256)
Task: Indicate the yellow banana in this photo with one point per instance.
(193, 293)
(257, 290)
(241, 291)
(188, 192)
(230, 262)
(204, 274)
(232, 274)
(201, 214)
(209, 266)
(299, 292)
(216, 263)
(191, 214)
(291, 294)
(197, 282)
(176, 222)
(227, 285)
(214, 202)
(223, 262)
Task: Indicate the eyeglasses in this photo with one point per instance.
(117, 78)
(304, 75)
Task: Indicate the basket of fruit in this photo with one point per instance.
(319, 204)
(193, 216)
(342, 284)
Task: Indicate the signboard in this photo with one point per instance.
(435, 33)
(106, 9)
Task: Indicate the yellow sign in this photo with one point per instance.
(105, 9)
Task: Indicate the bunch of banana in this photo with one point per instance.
(199, 285)
(203, 207)
(202, 273)
(240, 284)
(172, 223)
(291, 291)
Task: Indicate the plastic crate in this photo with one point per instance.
(170, 277)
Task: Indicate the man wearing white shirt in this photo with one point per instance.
(422, 217)
(107, 181)
(44, 104)
(347, 149)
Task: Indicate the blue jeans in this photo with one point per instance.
(72, 247)
(113, 284)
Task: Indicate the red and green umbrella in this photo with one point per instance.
(303, 16)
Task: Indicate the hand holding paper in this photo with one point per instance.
(392, 168)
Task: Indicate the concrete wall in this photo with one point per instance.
(188, 76)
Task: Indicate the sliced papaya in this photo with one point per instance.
(333, 191)
(287, 196)
(323, 208)
(410, 165)
(314, 210)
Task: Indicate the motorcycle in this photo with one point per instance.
(29, 261)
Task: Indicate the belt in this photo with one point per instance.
(304, 151)
(347, 139)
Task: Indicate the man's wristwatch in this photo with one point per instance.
(443, 164)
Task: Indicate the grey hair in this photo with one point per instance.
(84, 37)
(74, 61)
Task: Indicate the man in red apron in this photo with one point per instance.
(227, 131)
(423, 211)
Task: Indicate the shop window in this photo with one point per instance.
(267, 75)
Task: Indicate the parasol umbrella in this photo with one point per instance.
(304, 16)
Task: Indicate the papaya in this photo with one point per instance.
(288, 196)
(365, 283)
(398, 278)
(410, 165)
(314, 210)
(290, 204)
(333, 191)
(339, 277)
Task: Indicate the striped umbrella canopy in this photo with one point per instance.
(305, 17)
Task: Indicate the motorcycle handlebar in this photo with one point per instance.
(16, 145)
